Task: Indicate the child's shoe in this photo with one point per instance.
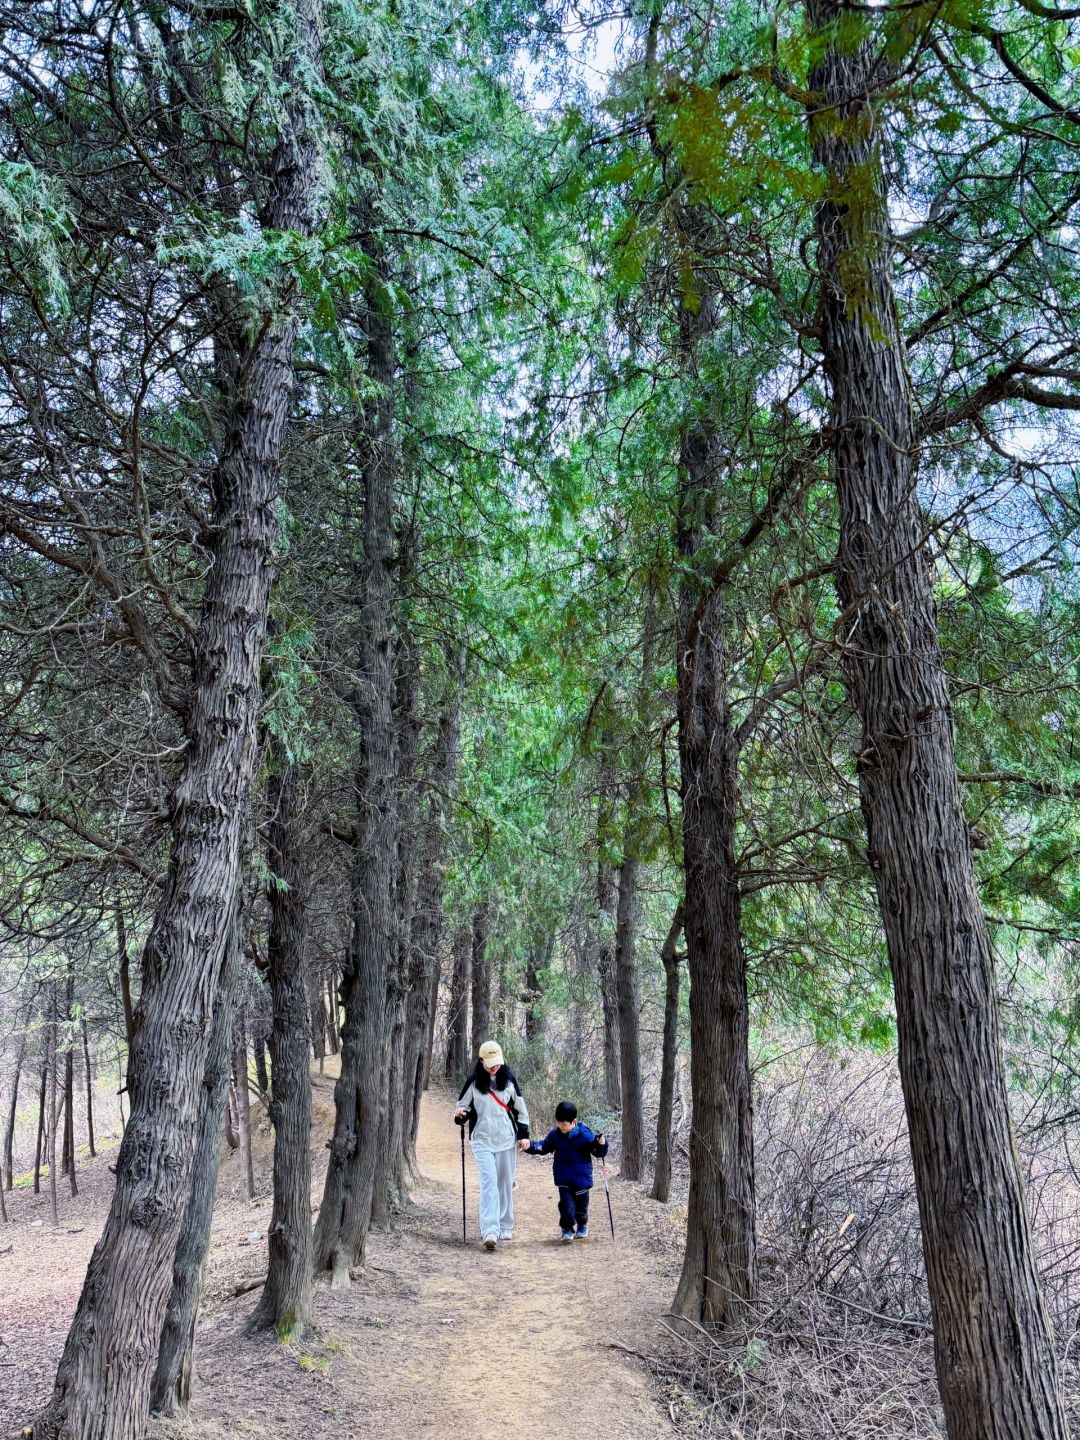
(582, 1232)
(568, 1237)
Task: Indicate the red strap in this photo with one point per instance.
(506, 1107)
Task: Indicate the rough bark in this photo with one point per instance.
(995, 1358)
(626, 989)
(480, 967)
(102, 1388)
(286, 1301)
(170, 1390)
(661, 1186)
(719, 1265)
(457, 1023)
(389, 1185)
(359, 1096)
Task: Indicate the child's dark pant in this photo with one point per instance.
(573, 1208)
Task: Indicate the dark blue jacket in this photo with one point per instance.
(573, 1155)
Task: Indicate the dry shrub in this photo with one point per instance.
(839, 1344)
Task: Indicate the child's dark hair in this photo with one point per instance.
(566, 1110)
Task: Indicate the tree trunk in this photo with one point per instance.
(258, 1045)
(345, 1213)
(389, 1185)
(102, 1386)
(54, 1061)
(243, 1104)
(719, 1276)
(427, 1054)
(661, 1187)
(89, 1088)
(457, 1023)
(579, 979)
(333, 1034)
(41, 1118)
(481, 981)
(69, 1090)
(995, 1357)
(170, 1390)
(428, 931)
(318, 1027)
(125, 976)
(392, 1184)
(538, 958)
(418, 1006)
(286, 1301)
(60, 1130)
(68, 1167)
(232, 1134)
(605, 933)
(626, 985)
(719, 1270)
(13, 1104)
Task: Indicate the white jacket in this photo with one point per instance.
(496, 1128)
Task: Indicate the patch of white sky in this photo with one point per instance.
(594, 51)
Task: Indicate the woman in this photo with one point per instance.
(498, 1126)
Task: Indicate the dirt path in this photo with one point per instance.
(527, 1352)
(433, 1338)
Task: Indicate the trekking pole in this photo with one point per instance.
(607, 1192)
(464, 1231)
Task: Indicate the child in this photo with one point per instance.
(574, 1146)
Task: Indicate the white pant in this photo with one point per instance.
(496, 1169)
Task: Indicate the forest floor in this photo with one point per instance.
(434, 1336)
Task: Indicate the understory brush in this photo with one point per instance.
(839, 1343)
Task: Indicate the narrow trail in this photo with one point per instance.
(440, 1337)
(527, 1352)
(434, 1337)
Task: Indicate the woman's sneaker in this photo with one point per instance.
(490, 1243)
(507, 1235)
(583, 1232)
(568, 1237)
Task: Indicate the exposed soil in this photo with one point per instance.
(434, 1336)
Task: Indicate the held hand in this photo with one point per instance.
(523, 1145)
